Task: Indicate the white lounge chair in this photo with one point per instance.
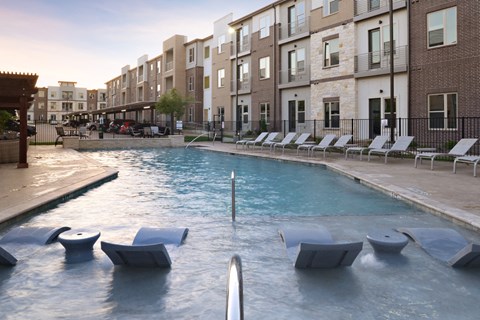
(82, 133)
(468, 160)
(326, 141)
(446, 245)
(286, 141)
(148, 248)
(300, 140)
(271, 136)
(340, 144)
(258, 139)
(459, 150)
(315, 248)
(377, 143)
(400, 146)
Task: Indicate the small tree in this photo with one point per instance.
(173, 103)
(4, 117)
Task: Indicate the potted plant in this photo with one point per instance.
(5, 116)
(9, 144)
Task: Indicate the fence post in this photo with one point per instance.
(399, 127)
(463, 127)
(314, 129)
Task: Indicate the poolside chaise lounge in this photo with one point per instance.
(258, 139)
(377, 143)
(148, 248)
(459, 150)
(298, 142)
(311, 247)
(340, 144)
(468, 160)
(446, 245)
(400, 146)
(26, 235)
(286, 141)
(271, 136)
(326, 141)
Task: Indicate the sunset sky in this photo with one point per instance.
(89, 41)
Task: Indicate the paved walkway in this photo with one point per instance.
(55, 173)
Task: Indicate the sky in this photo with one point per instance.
(89, 41)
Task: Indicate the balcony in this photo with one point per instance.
(243, 86)
(242, 46)
(365, 9)
(295, 30)
(295, 77)
(378, 62)
(169, 66)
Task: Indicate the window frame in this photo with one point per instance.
(206, 82)
(329, 117)
(444, 27)
(221, 78)
(265, 61)
(327, 47)
(327, 7)
(447, 121)
(265, 114)
(264, 27)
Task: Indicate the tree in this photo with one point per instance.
(173, 103)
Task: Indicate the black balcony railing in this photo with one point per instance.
(379, 61)
(366, 6)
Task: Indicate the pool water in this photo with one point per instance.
(192, 188)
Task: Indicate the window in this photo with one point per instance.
(264, 67)
(442, 27)
(442, 111)
(41, 94)
(330, 53)
(296, 63)
(245, 114)
(191, 55)
(373, 5)
(221, 41)
(301, 111)
(41, 106)
(243, 75)
(264, 112)
(330, 7)
(243, 39)
(332, 114)
(159, 66)
(386, 40)
(206, 53)
(206, 82)
(80, 95)
(191, 85)
(53, 94)
(221, 78)
(388, 111)
(296, 18)
(264, 26)
(80, 106)
(67, 95)
(190, 114)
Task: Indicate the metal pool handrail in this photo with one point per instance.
(234, 309)
(195, 139)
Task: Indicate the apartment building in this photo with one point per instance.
(65, 99)
(444, 81)
(332, 50)
(38, 109)
(194, 76)
(207, 79)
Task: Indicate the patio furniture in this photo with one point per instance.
(258, 139)
(286, 141)
(468, 160)
(340, 144)
(299, 141)
(60, 134)
(459, 150)
(33, 235)
(400, 146)
(6, 259)
(288, 138)
(326, 141)
(387, 240)
(377, 143)
(78, 240)
(271, 136)
(82, 132)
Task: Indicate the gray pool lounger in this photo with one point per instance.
(446, 245)
(26, 235)
(148, 248)
(315, 248)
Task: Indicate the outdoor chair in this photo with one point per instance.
(459, 150)
(311, 247)
(271, 136)
(60, 134)
(147, 132)
(377, 143)
(400, 146)
(156, 131)
(287, 140)
(258, 139)
(82, 133)
(468, 160)
(300, 140)
(326, 141)
(340, 144)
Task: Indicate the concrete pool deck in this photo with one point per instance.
(55, 174)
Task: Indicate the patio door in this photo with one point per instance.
(374, 48)
(374, 112)
(292, 116)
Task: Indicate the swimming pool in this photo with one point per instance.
(191, 188)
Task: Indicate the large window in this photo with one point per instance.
(296, 18)
(301, 111)
(191, 83)
(221, 41)
(442, 111)
(442, 27)
(332, 114)
(191, 55)
(206, 53)
(264, 67)
(264, 26)
(330, 7)
(264, 112)
(245, 114)
(221, 78)
(206, 82)
(296, 63)
(243, 37)
(331, 53)
(388, 111)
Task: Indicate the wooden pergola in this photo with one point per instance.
(16, 92)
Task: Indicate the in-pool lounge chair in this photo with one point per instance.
(468, 160)
(298, 142)
(26, 235)
(446, 245)
(340, 144)
(326, 141)
(377, 143)
(314, 248)
(258, 139)
(400, 146)
(148, 248)
(286, 141)
(271, 136)
(459, 150)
